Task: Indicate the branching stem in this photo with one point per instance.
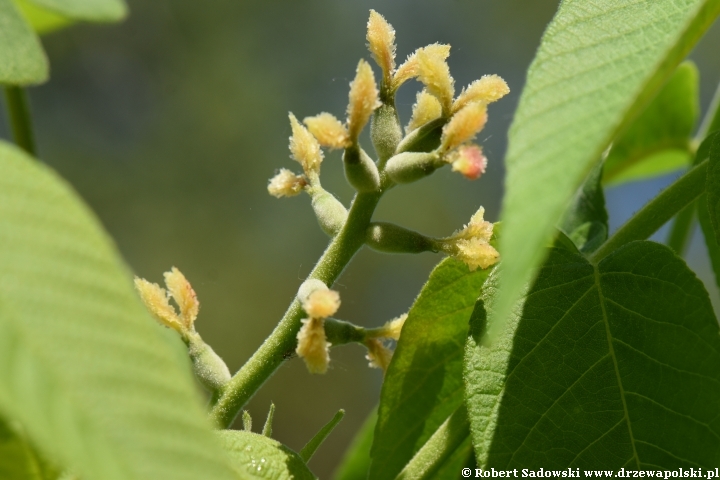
(658, 211)
(243, 385)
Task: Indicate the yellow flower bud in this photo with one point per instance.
(463, 126)
(304, 147)
(393, 328)
(475, 252)
(328, 130)
(381, 43)
(478, 227)
(378, 354)
(433, 71)
(155, 299)
(286, 184)
(322, 303)
(411, 68)
(426, 109)
(363, 99)
(184, 295)
(488, 89)
(313, 346)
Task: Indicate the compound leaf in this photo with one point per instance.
(603, 366)
(658, 141)
(598, 65)
(96, 384)
(423, 385)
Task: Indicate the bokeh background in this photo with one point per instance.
(170, 124)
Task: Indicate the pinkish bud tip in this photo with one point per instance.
(469, 161)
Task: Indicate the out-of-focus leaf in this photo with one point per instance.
(42, 20)
(598, 65)
(95, 382)
(22, 59)
(257, 456)
(87, 10)
(423, 385)
(18, 460)
(355, 465)
(709, 234)
(586, 221)
(658, 141)
(603, 366)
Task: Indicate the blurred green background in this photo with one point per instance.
(170, 124)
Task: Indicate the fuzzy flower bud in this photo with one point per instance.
(488, 89)
(286, 184)
(378, 354)
(381, 43)
(426, 109)
(411, 68)
(363, 99)
(393, 328)
(304, 147)
(184, 295)
(469, 161)
(156, 301)
(313, 346)
(471, 244)
(433, 71)
(322, 303)
(463, 126)
(328, 130)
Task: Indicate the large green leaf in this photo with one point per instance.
(257, 456)
(658, 141)
(604, 366)
(598, 65)
(585, 221)
(423, 385)
(96, 383)
(88, 10)
(22, 59)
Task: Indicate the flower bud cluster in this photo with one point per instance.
(471, 244)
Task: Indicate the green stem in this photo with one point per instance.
(271, 354)
(711, 121)
(311, 447)
(20, 120)
(681, 230)
(656, 213)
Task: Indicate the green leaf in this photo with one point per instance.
(423, 385)
(355, 464)
(307, 452)
(40, 19)
(440, 448)
(22, 59)
(658, 141)
(97, 384)
(709, 235)
(87, 10)
(712, 187)
(586, 221)
(18, 460)
(599, 63)
(604, 366)
(257, 456)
